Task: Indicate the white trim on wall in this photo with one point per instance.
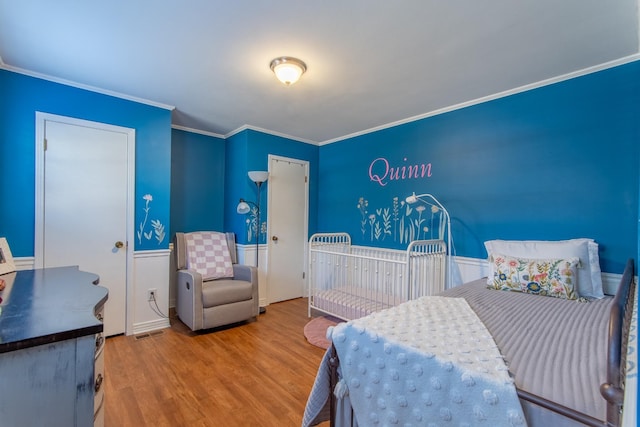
(25, 263)
(528, 87)
(151, 271)
(200, 132)
(270, 132)
(85, 87)
(247, 256)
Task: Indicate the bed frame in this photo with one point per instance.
(612, 391)
(619, 328)
(349, 282)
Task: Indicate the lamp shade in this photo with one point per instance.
(287, 69)
(258, 176)
(243, 208)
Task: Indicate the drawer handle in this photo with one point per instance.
(98, 383)
(99, 341)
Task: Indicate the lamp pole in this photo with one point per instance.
(258, 177)
(258, 225)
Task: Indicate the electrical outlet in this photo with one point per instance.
(151, 294)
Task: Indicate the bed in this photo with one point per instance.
(565, 358)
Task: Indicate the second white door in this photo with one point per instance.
(288, 227)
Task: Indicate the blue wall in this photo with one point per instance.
(21, 96)
(197, 182)
(557, 162)
(249, 150)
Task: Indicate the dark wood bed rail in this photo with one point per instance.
(619, 324)
(612, 390)
(333, 380)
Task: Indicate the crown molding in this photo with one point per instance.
(85, 87)
(270, 132)
(531, 86)
(198, 131)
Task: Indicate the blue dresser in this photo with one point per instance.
(51, 348)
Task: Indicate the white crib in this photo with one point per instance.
(349, 282)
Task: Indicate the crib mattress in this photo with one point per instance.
(555, 348)
(352, 302)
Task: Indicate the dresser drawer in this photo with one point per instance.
(99, 378)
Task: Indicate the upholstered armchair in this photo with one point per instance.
(213, 290)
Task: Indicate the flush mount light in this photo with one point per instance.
(287, 69)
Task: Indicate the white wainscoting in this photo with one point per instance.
(247, 256)
(151, 271)
(24, 263)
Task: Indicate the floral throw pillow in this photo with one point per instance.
(547, 277)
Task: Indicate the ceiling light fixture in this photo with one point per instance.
(287, 69)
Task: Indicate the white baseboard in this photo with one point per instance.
(610, 283)
(24, 263)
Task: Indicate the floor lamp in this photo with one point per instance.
(258, 177)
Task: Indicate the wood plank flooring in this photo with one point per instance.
(258, 373)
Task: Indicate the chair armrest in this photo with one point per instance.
(249, 273)
(245, 272)
(189, 298)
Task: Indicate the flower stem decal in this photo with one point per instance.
(362, 207)
(157, 228)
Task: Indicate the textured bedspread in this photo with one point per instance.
(429, 360)
(555, 349)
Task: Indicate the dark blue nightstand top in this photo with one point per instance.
(47, 305)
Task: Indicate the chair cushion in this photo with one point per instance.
(225, 291)
(208, 254)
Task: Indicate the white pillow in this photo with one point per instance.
(589, 275)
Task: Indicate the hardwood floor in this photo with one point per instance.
(253, 374)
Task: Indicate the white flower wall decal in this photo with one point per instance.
(157, 228)
(400, 222)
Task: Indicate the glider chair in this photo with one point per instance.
(213, 290)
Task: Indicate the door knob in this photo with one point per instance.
(274, 238)
(119, 244)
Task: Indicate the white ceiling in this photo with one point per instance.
(370, 62)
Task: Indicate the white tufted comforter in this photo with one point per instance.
(427, 362)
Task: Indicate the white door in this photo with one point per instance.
(287, 223)
(84, 206)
